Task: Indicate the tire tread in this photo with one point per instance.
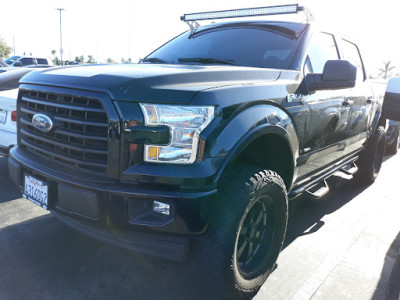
(216, 246)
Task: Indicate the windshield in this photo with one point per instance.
(11, 59)
(251, 47)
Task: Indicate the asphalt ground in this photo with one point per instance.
(344, 246)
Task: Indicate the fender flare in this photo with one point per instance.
(275, 121)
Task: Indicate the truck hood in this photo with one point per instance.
(149, 82)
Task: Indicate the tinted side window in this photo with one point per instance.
(41, 61)
(323, 48)
(27, 61)
(351, 53)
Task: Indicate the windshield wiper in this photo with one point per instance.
(154, 60)
(207, 61)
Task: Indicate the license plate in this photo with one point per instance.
(36, 191)
(3, 116)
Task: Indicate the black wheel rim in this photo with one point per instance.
(255, 236)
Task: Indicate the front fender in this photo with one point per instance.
(247, 126)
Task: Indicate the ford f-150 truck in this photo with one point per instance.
(201, 145)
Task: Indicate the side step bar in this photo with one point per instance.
(349, 169)
(319, 190)
(318, 187)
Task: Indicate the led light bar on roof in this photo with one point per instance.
(247, 12)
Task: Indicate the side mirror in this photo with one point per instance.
(17, 64)
(391, 101)
(337, 74)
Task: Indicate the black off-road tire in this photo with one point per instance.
(393, 148)
(246, 232)
(371, 158)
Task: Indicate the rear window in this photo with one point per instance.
(27, 61)
(252, 47)
(42, 61)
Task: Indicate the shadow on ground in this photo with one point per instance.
(8, 190)
(394, 283)
(306, 213)
(44, 259)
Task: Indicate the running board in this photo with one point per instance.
(350, 169)
(346, 170)
(319, 190)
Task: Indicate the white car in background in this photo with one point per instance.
(9, 82)
(8, 118)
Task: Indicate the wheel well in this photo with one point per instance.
(271, 152)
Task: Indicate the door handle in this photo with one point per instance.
(347, 102)
(370, 100)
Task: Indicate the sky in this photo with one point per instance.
(132, 29)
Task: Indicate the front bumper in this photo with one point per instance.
(170, 247)
(115, 212)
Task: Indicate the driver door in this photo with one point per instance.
(323, 142)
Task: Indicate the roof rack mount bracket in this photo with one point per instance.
(193, 25)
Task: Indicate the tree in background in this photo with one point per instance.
(5, 50)
(126, 61)
(91, 60)
(110, 60)
(53, 52)
(80, 59)
(57, 61)
(385, 72)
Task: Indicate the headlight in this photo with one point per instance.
(186, 123)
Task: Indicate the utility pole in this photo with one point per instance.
(14, 44)
(61, 45)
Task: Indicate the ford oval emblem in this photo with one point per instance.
(42, 122)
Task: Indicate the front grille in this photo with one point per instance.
(81, 129)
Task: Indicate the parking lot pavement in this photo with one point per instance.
(344, 246)
(349, 250)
